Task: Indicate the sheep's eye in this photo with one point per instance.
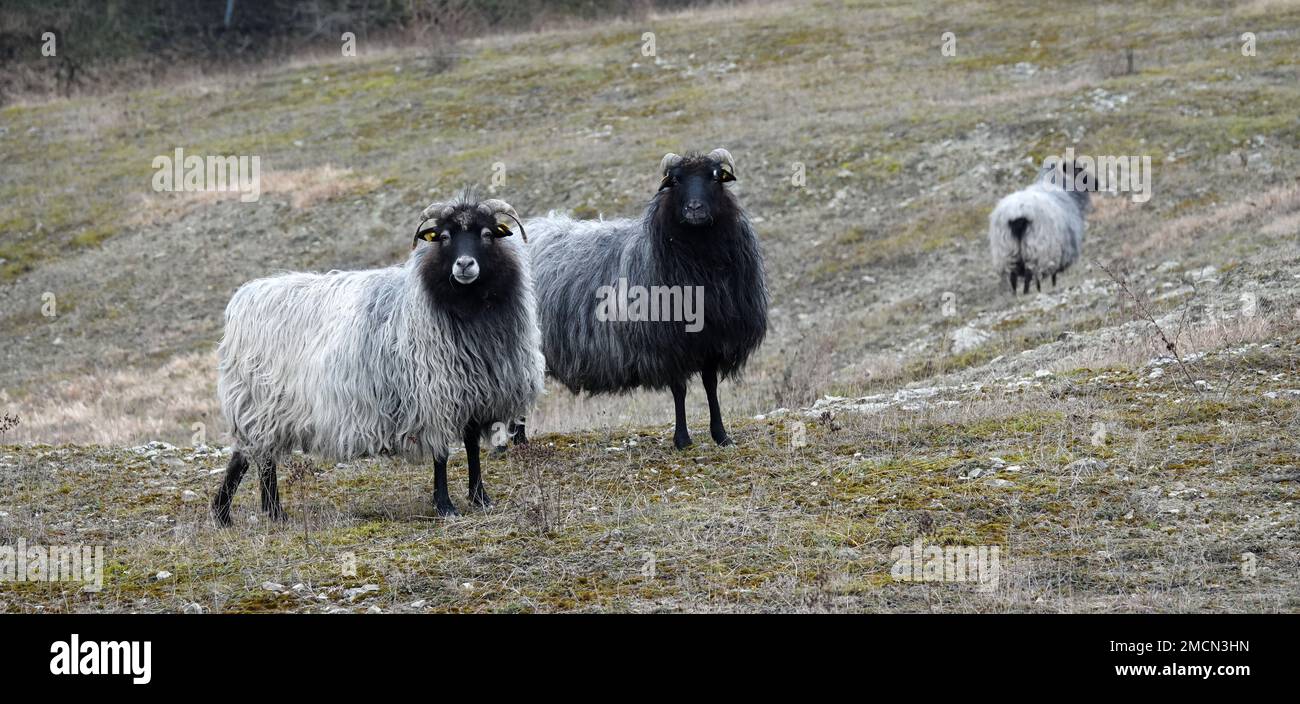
(724, 176)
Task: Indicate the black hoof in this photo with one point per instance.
(681, 442)
(480, 498)
(276, 513)
(445, 510)
(723, 439)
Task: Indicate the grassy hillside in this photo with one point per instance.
(882, 299)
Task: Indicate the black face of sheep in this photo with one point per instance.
(469, 269)
(692, 189)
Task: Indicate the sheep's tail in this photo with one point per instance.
(1018, 227)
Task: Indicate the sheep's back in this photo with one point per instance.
(291, 369)
(1053, 239)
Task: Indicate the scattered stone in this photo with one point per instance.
(273, 586)
(1156, 373)
(418, 604)
(1041, 373)
(374, 610)
(193, 608)
(162, 574)
(355, 592)
(1001, 483)
(967, 337)
(188, 496)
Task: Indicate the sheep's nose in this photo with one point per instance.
(465, 269)
(695, 212)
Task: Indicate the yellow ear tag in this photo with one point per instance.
(504, 229)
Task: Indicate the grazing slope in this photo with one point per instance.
(1122, 485)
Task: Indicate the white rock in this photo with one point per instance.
(187, 496)
(1042, 373)
(193, 608)
(162, 574)
(355, 592)
(273, 586)
(968, 337)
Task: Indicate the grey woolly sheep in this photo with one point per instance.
(1038, 232)
(405, 360)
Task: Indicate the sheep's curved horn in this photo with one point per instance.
(496, 206)
(724, 157)
(493, 206)
(669, 161)
(436, 210)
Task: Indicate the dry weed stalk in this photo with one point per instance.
(1170, 345)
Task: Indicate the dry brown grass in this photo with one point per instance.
(123, 406)
(303, 188)
(1176, 233)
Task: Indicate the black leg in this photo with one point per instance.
(221, 502)
(709, 375)
(517, 434)
(1026, 283)
(1039, 283)
(1053, 279)
(270, 490)
(477, 494)
(441, 501)
(1013, 283)
(682, 436)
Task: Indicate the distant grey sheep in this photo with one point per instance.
(698, 299)
(1038, 232)
(405, 360)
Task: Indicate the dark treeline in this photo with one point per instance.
(103, 42)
